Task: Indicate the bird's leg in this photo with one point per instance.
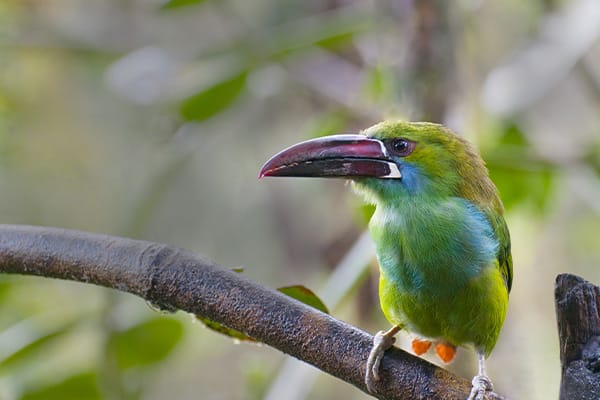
(481, 382)
(381, 342)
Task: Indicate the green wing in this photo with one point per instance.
(504, 255)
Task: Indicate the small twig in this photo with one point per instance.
(177, 279)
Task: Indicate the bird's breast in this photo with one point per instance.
(436, 246)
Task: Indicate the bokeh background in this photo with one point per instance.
(151, 119)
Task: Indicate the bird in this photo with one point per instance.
(441, 240)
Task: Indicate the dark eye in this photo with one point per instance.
(402, 147)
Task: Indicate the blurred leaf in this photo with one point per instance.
(82, 386)
(257, 379)
(213, 100)
(304, 295)
(146, 343)
(180, 3)
(6, 283)
(328, 30)
(519, 186)
(514, 136)
(32, 350)
(335, 41)
(592, 158)
(375, 83)
(519, 178)
(217, 327)
(31, 338)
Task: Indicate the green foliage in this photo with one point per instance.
(31, 351)
(82, 386)
(520, 179)
(330, 31)
(66, 140)
(256, 379)
(146, 343)
(180, 3)
(209, 102)
(220, 328)
(6, 283)
(304, 295)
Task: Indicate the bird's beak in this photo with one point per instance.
(348, 156)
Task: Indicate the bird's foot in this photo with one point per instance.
(481, 385)
(420, 347)
(381, 342)
(445, 351)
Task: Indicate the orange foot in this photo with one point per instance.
(445, 351)
(420, 346)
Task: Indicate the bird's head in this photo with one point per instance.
(391, 160)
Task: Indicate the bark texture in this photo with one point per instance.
(578, 316)
(176, 279)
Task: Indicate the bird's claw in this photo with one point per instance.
(481, 385)
(381, 342)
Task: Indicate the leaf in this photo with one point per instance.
(514, 136)
(34, 340)
(146, 343)
(180, 3)
(6, 282)
(213, 100)
(521, 179)
(521, 186)
(77, 387)
(32, 350)
(217, 327)
(330, 30)
(304, 295)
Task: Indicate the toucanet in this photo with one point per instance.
(441, 240)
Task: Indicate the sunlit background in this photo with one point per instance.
(151, 120)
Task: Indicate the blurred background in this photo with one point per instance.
(151, 119)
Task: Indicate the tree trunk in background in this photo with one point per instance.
(578, 315)
(432, 62)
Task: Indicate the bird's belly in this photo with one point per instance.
(439, 272)
(468, 313)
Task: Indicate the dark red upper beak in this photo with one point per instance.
(348, 156)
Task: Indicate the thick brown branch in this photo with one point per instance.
(176, 279)
(578, 316)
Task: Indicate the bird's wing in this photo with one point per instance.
(504, 255)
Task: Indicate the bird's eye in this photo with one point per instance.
(402, 147)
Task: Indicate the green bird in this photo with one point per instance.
(442, 244)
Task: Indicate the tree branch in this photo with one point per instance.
(176, 279)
